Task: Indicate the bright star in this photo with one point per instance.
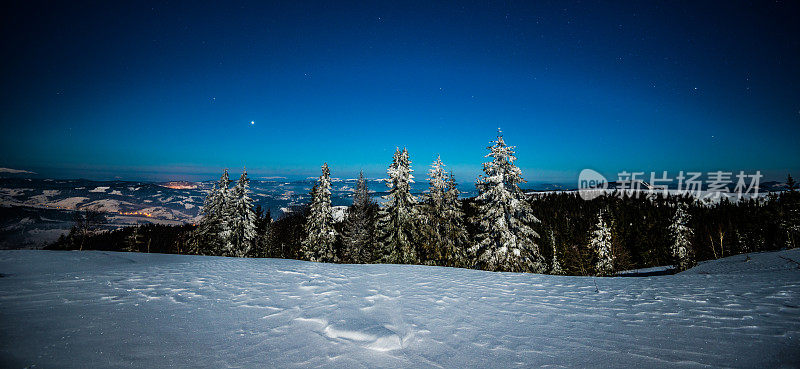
(252, 122)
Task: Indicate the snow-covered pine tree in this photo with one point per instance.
(398, 222)
(444, 234)
(262, 224)
(681, 238)
(437, 179)
(242, 222)
(791, 222)
(430, 245)
(600, 243)
(359, 225)
(555, 267)
(320, 235)
(506, 242)
(456, 239)
(212, 232)
(790, 212)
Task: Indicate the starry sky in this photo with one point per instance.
(179, 90)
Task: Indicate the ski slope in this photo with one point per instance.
(103, 309)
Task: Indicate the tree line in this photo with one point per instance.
(501, 229)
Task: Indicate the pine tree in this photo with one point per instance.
(507, 241)
(444, 237)
(359, 225)
(242, 221)
(791, 222)
(212, 235)
(555, 267)
(397, 220)
(320, 235)
(601, 244)
(430, 246)
(455, 238)
(789, 213)
(437, 179)
(262, 224)
(681, 238)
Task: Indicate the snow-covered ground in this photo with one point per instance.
(103, 309)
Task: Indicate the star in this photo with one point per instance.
(252, 122)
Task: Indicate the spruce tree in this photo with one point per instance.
(437, 179)
(681, 238)
(789, 212)
(212, 233)
(443, 231)
(430, 246)
(320, 235)
(242, 221)
(555, 267)
(359, 225)
(397, 225)
(601, 244)
(506, 242)
(455, 238)
(262, 223)
(791, 222)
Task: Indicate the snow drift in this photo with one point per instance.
(102, 309)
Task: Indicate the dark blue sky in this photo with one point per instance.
(168, 89)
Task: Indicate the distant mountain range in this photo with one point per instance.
(36, 211)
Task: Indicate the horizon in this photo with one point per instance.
(10, 173)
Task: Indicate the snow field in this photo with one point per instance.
(103, 309)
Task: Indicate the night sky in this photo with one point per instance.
(168, 90)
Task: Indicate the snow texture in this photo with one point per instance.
(104, 309)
